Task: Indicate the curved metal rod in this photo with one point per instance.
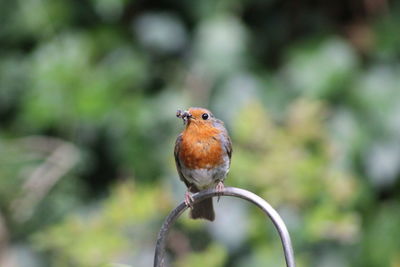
(234, 192)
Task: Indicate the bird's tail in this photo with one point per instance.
(204, 210)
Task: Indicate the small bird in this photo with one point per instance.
(203, 156)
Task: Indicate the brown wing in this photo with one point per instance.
(226, 140)
(228, 146)
(177, 161)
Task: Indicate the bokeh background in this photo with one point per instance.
(309, 91)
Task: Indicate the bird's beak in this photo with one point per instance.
(188, 115)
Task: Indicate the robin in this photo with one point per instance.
(203, 156)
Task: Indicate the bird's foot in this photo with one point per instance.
(219, 188)
(189, 199)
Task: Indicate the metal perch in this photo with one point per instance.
(233, 192)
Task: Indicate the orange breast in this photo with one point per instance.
(201, 148)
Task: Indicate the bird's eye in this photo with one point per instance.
(204, 116)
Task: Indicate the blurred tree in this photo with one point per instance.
(88, 93)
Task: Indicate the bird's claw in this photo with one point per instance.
(189, 199)
(219, 188)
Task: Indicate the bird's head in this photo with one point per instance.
(196, 116)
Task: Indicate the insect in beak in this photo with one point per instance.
(184, 115)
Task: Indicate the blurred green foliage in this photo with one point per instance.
(310, 94)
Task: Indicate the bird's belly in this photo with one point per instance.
(204, 178)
